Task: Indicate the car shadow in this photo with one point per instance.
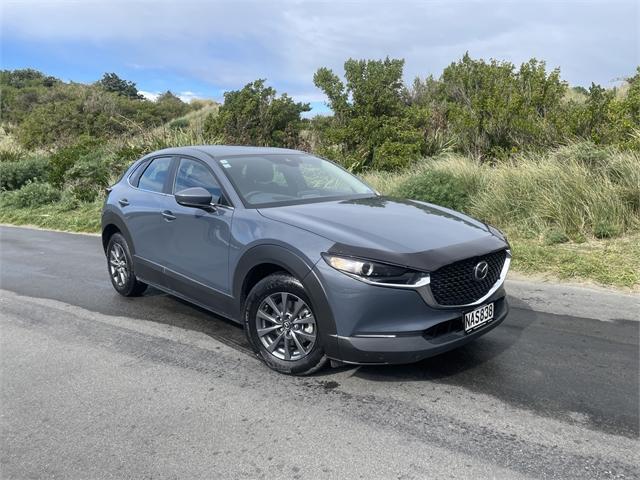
(471, 357)
(455, 363)
(183, 314)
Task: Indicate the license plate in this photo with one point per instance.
(478, 317)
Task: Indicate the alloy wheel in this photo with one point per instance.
(118, 266)
(286, 326)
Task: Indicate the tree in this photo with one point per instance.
(113, 83)
(170, 106)
(612, 116)
(495, 110)
(371, 126)
(255, 115)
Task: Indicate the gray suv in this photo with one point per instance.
(314, 263)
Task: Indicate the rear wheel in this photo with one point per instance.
(281, 326)
(120, 265)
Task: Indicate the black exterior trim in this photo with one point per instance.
(139, 169)
(427, 260)
(214, 300)
(148, 271)
(109, 217)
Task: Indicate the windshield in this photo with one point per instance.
(279, 179)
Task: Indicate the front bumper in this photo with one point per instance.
(384, 325)
(410, 348)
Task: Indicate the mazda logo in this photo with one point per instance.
(480, 271)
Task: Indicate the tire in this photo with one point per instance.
(120, 268)
(295, 333)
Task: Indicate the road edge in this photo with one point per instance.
(595, 302)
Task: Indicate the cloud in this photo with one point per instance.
(227, 44)
(153, 96)
(186, 96)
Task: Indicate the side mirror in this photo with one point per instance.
(196, 197)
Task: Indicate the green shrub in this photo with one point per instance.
(255, 115)
(554, 237)
(179, 123)
(451, 183)
(605, 229)
(14, 175)
(128, 153)
(32, 194)
(68, 201)
(395, 155)
(88, 177)
(66, 157)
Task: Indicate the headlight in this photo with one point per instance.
(377, 273)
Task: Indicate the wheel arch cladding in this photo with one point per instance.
(112, 223)
(290, 262)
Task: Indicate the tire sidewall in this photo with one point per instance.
(280, 282)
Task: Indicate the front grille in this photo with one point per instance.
(454, 284)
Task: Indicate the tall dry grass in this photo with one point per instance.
(573, 192)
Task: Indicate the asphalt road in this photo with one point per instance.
(94, 385)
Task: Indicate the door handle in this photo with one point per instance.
(168, 215)
(123, 202)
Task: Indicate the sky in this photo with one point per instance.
(200, 49)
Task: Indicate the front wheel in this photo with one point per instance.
(281, 326)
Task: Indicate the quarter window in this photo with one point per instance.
(155, 175)
(192, 173)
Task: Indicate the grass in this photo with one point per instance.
(84, 218)
(611, 262)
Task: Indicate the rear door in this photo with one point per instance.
(198, 243)
(146, 212)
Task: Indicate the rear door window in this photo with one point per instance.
(155, 175)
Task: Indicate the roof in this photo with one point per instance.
(225, 150)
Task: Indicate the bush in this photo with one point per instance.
(256, 115)
(372, 126)
(179, 123)
(450, 182)
(554, 237)
(88, 177)
(496, 110)
(68, 201)
(395, 155)
(66, 157)
(14, 175)
(32, 194)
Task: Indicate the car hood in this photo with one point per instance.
(403, 232)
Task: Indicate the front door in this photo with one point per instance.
(198, 244)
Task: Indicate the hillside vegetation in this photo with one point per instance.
(556, 167)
